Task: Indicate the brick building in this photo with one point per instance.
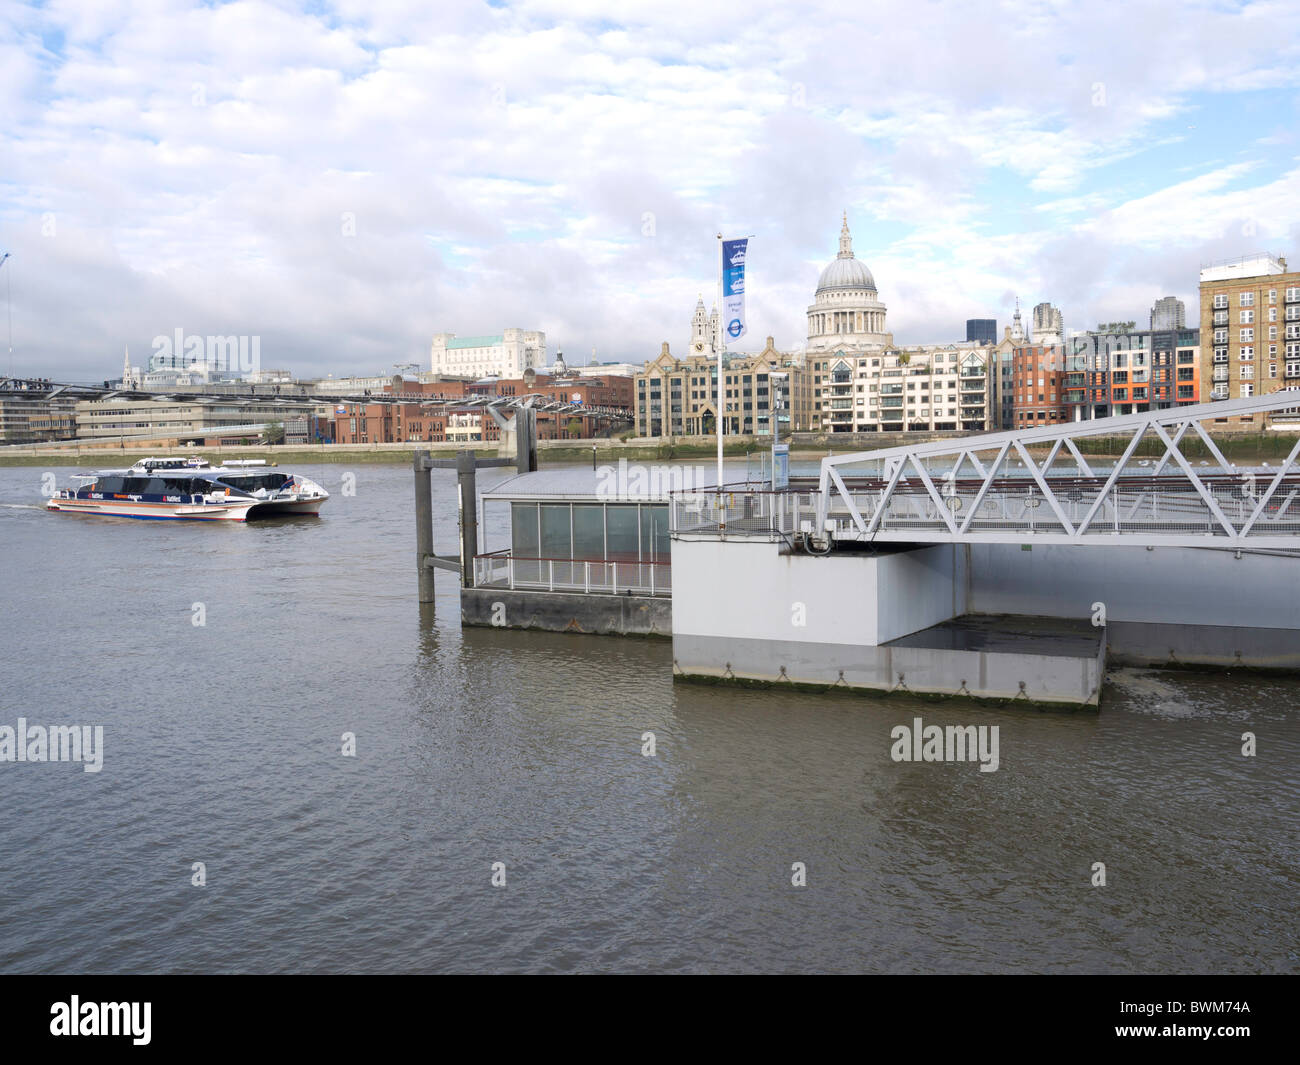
(1250, 325)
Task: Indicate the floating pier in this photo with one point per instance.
(1001, 566)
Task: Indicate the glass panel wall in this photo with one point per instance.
(589, 530)
(621, 531)
(655, 543)
(557, 537)
(616, 532)
(523, 539)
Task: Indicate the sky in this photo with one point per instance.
(345, 179)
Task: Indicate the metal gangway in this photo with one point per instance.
(1036, 485)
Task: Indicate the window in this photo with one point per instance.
(1247, 299)
(556, 540)
(655, 543)
(1247, 372)
(1247, 390)
(1247, 317)
(1247, 335)
(588, 531)
(1220, 300)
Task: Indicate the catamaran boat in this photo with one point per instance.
(190, 489)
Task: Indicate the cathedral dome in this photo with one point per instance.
(845, 273)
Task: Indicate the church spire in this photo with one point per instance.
(846, 241)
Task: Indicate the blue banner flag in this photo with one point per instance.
(733, 287)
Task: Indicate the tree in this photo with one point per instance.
(574, 427)
(274, 433)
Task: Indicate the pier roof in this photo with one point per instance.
(622, 482)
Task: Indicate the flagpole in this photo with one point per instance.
(722, 345)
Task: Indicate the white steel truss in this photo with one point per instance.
(969, 491)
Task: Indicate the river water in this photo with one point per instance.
(222, 745)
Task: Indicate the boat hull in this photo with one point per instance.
(287, 506)
(141, 510)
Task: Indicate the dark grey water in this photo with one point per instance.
(222, 746)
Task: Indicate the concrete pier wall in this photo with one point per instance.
(604, 615)
(1069, 680)
(1166, 606)
(752, 590)
(746, 610)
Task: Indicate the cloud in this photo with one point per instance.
(346, 179)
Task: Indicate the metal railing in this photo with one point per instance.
(1076, 508)
(923, 492)
(763, 514)
(502, 569)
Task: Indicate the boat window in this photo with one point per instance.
(156, 486)
(251, 482)
(134, 486)
(108, 484)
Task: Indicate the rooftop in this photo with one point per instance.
(620, 482)
(1260, 264)
(475, 342)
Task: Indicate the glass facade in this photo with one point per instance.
(616, 532)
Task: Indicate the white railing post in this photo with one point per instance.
(586, 577)
(614, 579)
(652, 578)
(550, 574)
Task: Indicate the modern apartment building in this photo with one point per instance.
(678, 397)
(1110, 372)
(1168, 313)
(1250, 325)
(199, 420)
(925, 389)
(33, 411)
